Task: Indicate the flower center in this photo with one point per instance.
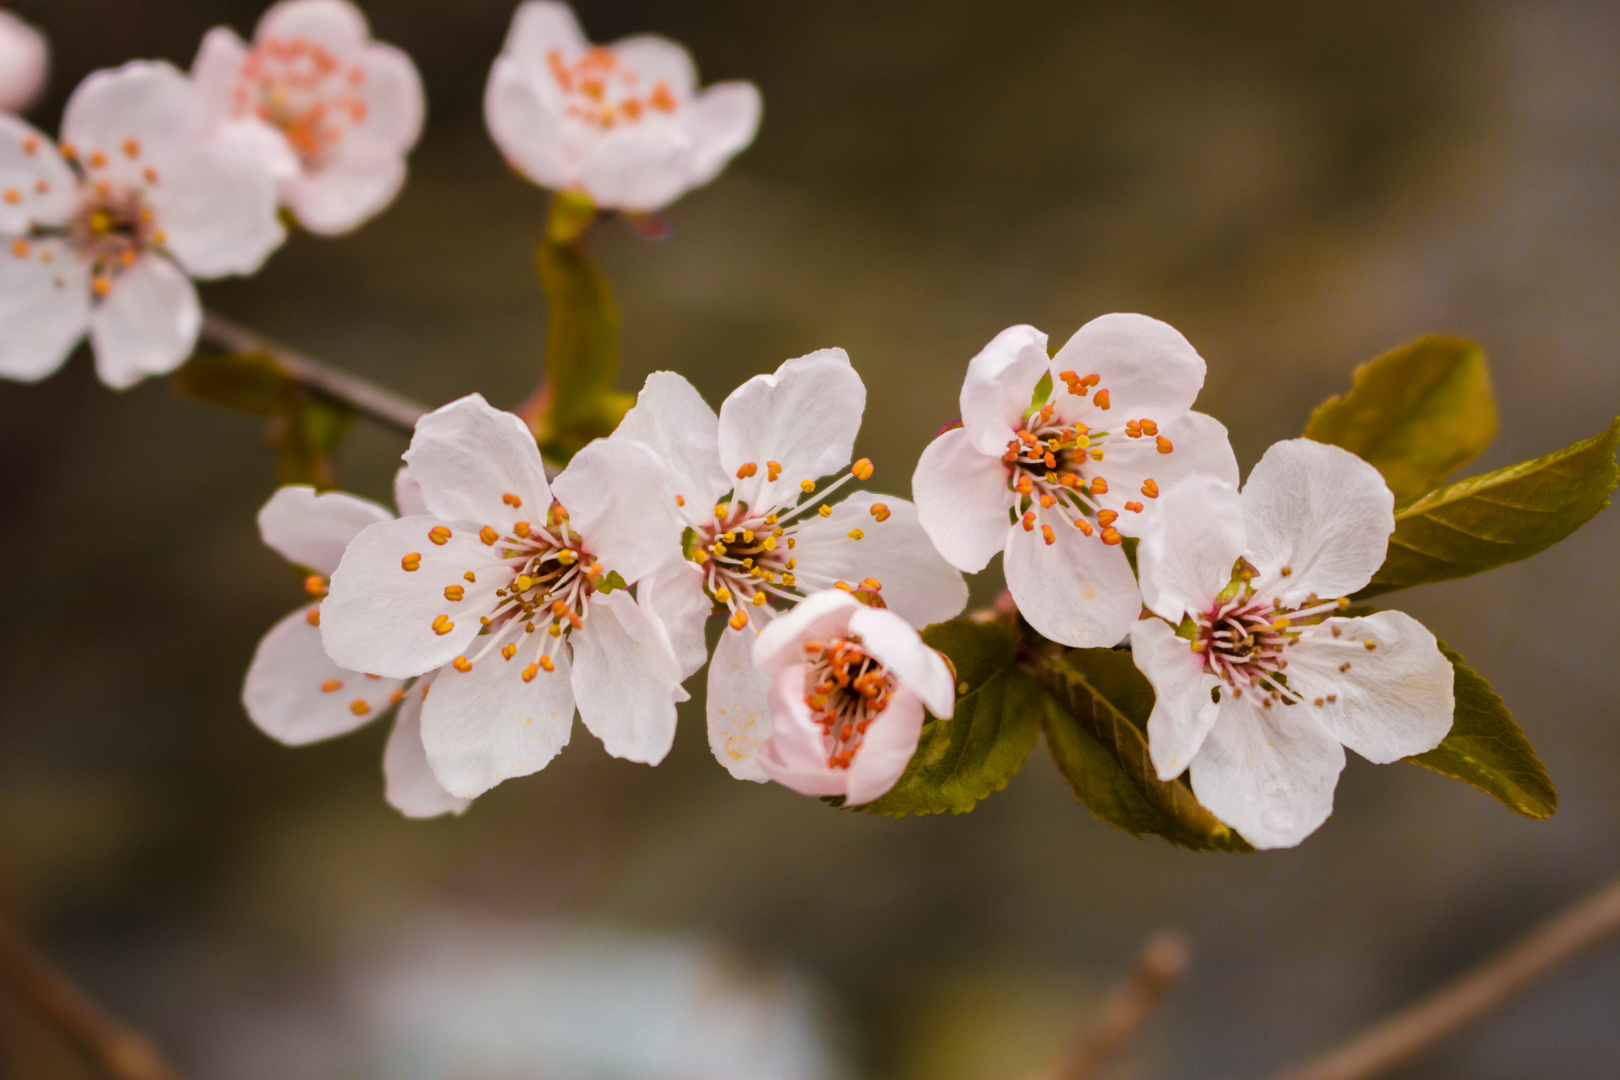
(299, 87)
(846, 689)
(1245, 641)
(604, 93)
(110, 229)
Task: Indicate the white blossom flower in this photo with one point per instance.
(101, 234)
(1059, 460)
(24, 60)
(293, 691)
(759, 533)
(848, 687)
(622, 123)
(339, 109)
(1259, 688)
(521, 595)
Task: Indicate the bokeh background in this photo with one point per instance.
(1294, 186)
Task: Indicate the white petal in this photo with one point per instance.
(672, 419)
(487, 725)
(1190, 546)
(216, 206)
(642, 169)
(379, 616)
(527, 129)
(1147, 367)
(408, 494)
(918, 584)
(296, 695)
(24, 58)
(541, 26)
(804, 417)
(1000, 386)
(1394, 701)
(409, 783)
(896, 645)
(795, 755)
(656, 59)
(217, 67)
(265, 144)
(618, 499)
(674, 593)
(1199, 448)
(625, 679)
(721, 122)
(336, 25)
(468, 454)
(1322, 513)
(46, 188)
(44, 306)
(147, 324)
(1268, 773)
(819, 615)
(308, 529)
(145, 100)
(393, 95)
(738, 707)
(354, 183)
(1077, 590)
(887, 749)
(962, 500)
(1183, 710)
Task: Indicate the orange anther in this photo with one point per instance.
(880, 511)
(331, 686)
(862, 469)
(1091, 380)
(1134, 507)
(680, 500)
(454, 592)
(746, 470)
(1027, 438)
(1046, 534)
(413, 561)
(1024, 486)
(461, 664)
(13, 196)
(511, 500)
(1133, 429)
(439, 535)
(1107, 517)
(509, 650)
(315, 585)
(1149, 427)
(31, 146)
(530, 672)
(1111, 536)
(872, 583)
(1048, 501)
(397, 696)
(101, 285)
(773, 469)
(739, 619)
(19, 248)
(1150, 488)
(1029, 521)
(1101, 398)
(521, 528)
(132, 148)
(313, 616)
(1164, 445)
(359, 707)
(1083, 525)
(488, 535)
(1099, 486)
(442, 625)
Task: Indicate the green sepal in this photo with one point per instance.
(571, 215)
(610, 581)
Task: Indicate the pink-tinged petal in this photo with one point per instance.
(1388, 702)
(1318, 521)
(216, 207)
(618, 499)
(310, 529)
(637, 169)
(804, 417)
(486, 725)
(1076, 590)
(738, 705)
(1183, 708)
(818, 616)
(795, 755)
(1190, 546)
(887, 749)
(918, 584)
(656, 59)
(1199, 447)
(1268, 773)
(720, 122)
(1147, 367)
(39, 189)
(896, 645)
(626, 679)
(296, 695)
(671, 418)
(44, 306)
(1000, 386)
(468, 455)
(24, 60)
(356, 182)
(962, 500)
(409, 783)
(540, 27)
(147, 101)
(147, 324)
(395, 103)
(217, 67)
(527, 128)
(408, 494)
(674, 593)
(335, 25)
(380, 617)
(265, 144)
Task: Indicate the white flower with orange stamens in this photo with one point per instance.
(1260, 686)
(102, 234)
(848, 687)
(760, 533)
(332, 111)
(1058, 459)
(517, 588)
(24, 59)
(293, 691)
(623, 123)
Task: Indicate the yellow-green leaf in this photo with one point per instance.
(577, 402)
(248, 382)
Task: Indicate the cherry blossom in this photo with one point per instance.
(101, 234)
(848, 684)
(760, 533)
(1260, 684)
(293, 691)
(24, 60)
(517, 588)
(1059, 459)
(624, 123)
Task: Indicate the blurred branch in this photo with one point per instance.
(1420, 1028)
(366, 398)
(1128, 1007)
(122, 1052)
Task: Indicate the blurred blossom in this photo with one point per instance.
(622, 123)
(848, 686)
(1266, 746)
(24, 59)
(332, 111)
(101, 235)
(293, 691)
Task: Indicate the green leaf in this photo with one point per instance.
(996, 724)
(305, 435)
(1418, 413)
(1487, 749)
(577, 402)
(248, 382)
(1501, 517)
(1096, 726)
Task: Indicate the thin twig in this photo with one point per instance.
(1421, 1027)
(1128, 1007)
(122, 1052)
(367, 398)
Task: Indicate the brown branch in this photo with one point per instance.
(366, 398)
(1422, 1026)
(122, 1052)
(1128, 1007)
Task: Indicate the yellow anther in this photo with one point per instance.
(1343, 602)
(454, 592)
(461, 664)
(842, 586)
(700, 556)
(555, 629)
(568, 556)
(729, 537)
(313, 616)
(792, 543)
(1097, 455)
(509, 650)
(748, 536)
(746, 470)
(807, 486)
(331, 686)
(721, 511)
(547, 663)
(739, 619)
(1287, 571)
(856, 534)
(722, 595)
(879, 511)
(824, 510)
(413, 561)
(769, 543)
(530, 672)
(359, 707)
(1282, 622)
(788, 580)
(442, 625)
(1370, 644)
(773, 469)
(315, 585)
(470, 576)
(524, 583)
(791, 564)
(483, 620)
(760, 598)
(872, 583)
(770, 519)
(488, 535)
(439, 535)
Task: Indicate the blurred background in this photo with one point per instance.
(1296, 187)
